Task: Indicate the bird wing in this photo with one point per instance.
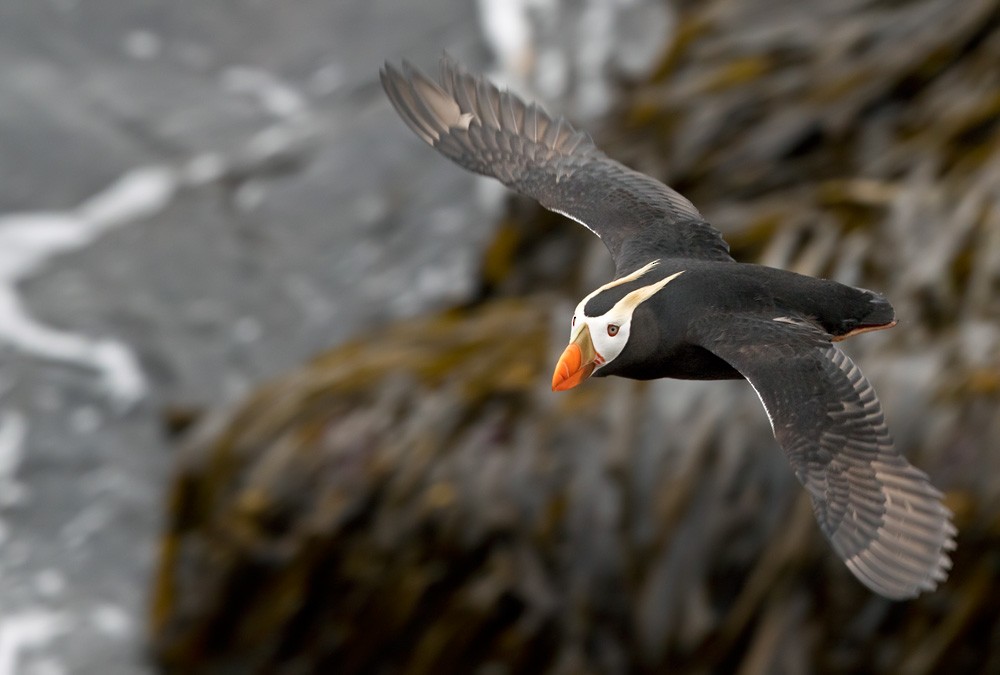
(494, 133)
(881, 514)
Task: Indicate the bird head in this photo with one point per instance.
(596, 341)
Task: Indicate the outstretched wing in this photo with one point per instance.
(881, 514)
(496, 134)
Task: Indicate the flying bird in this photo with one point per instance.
(680, 306)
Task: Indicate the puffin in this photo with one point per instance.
(679, 306)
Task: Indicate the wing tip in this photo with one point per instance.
(496, 133)
(886, 581)
(461, 98)
(429, 109)
(899, 566)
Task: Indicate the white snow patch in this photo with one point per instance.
(265, 89)
(327, 79)
(204, 169)
(575, 49)
(249, 196)
(27, 240)
(118, 370)
(276, 144)
(30, 240)
(508, 30)
(142, 45)
(140, 193)
(86, 524)
(112, 620)
(50, 583)
(28, 630)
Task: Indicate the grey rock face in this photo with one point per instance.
(191, 198)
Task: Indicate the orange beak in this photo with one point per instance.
(576, 363)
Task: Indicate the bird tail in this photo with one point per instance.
(880, 315)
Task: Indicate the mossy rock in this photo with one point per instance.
(420, 502)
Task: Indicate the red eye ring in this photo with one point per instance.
(612, 329)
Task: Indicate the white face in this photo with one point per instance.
(609, 332)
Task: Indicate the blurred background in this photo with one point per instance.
(274, 375)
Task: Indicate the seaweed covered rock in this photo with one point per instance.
(419, 502)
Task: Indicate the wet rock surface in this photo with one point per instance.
(283, 227)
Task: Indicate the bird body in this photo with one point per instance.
(680, 306)
(661, 344)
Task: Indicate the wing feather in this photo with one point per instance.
(880, 513)
(495, 133)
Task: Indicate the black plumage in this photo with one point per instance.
(494, 133)
(680, 306)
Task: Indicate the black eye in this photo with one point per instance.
(573, 322)
(612, 329)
